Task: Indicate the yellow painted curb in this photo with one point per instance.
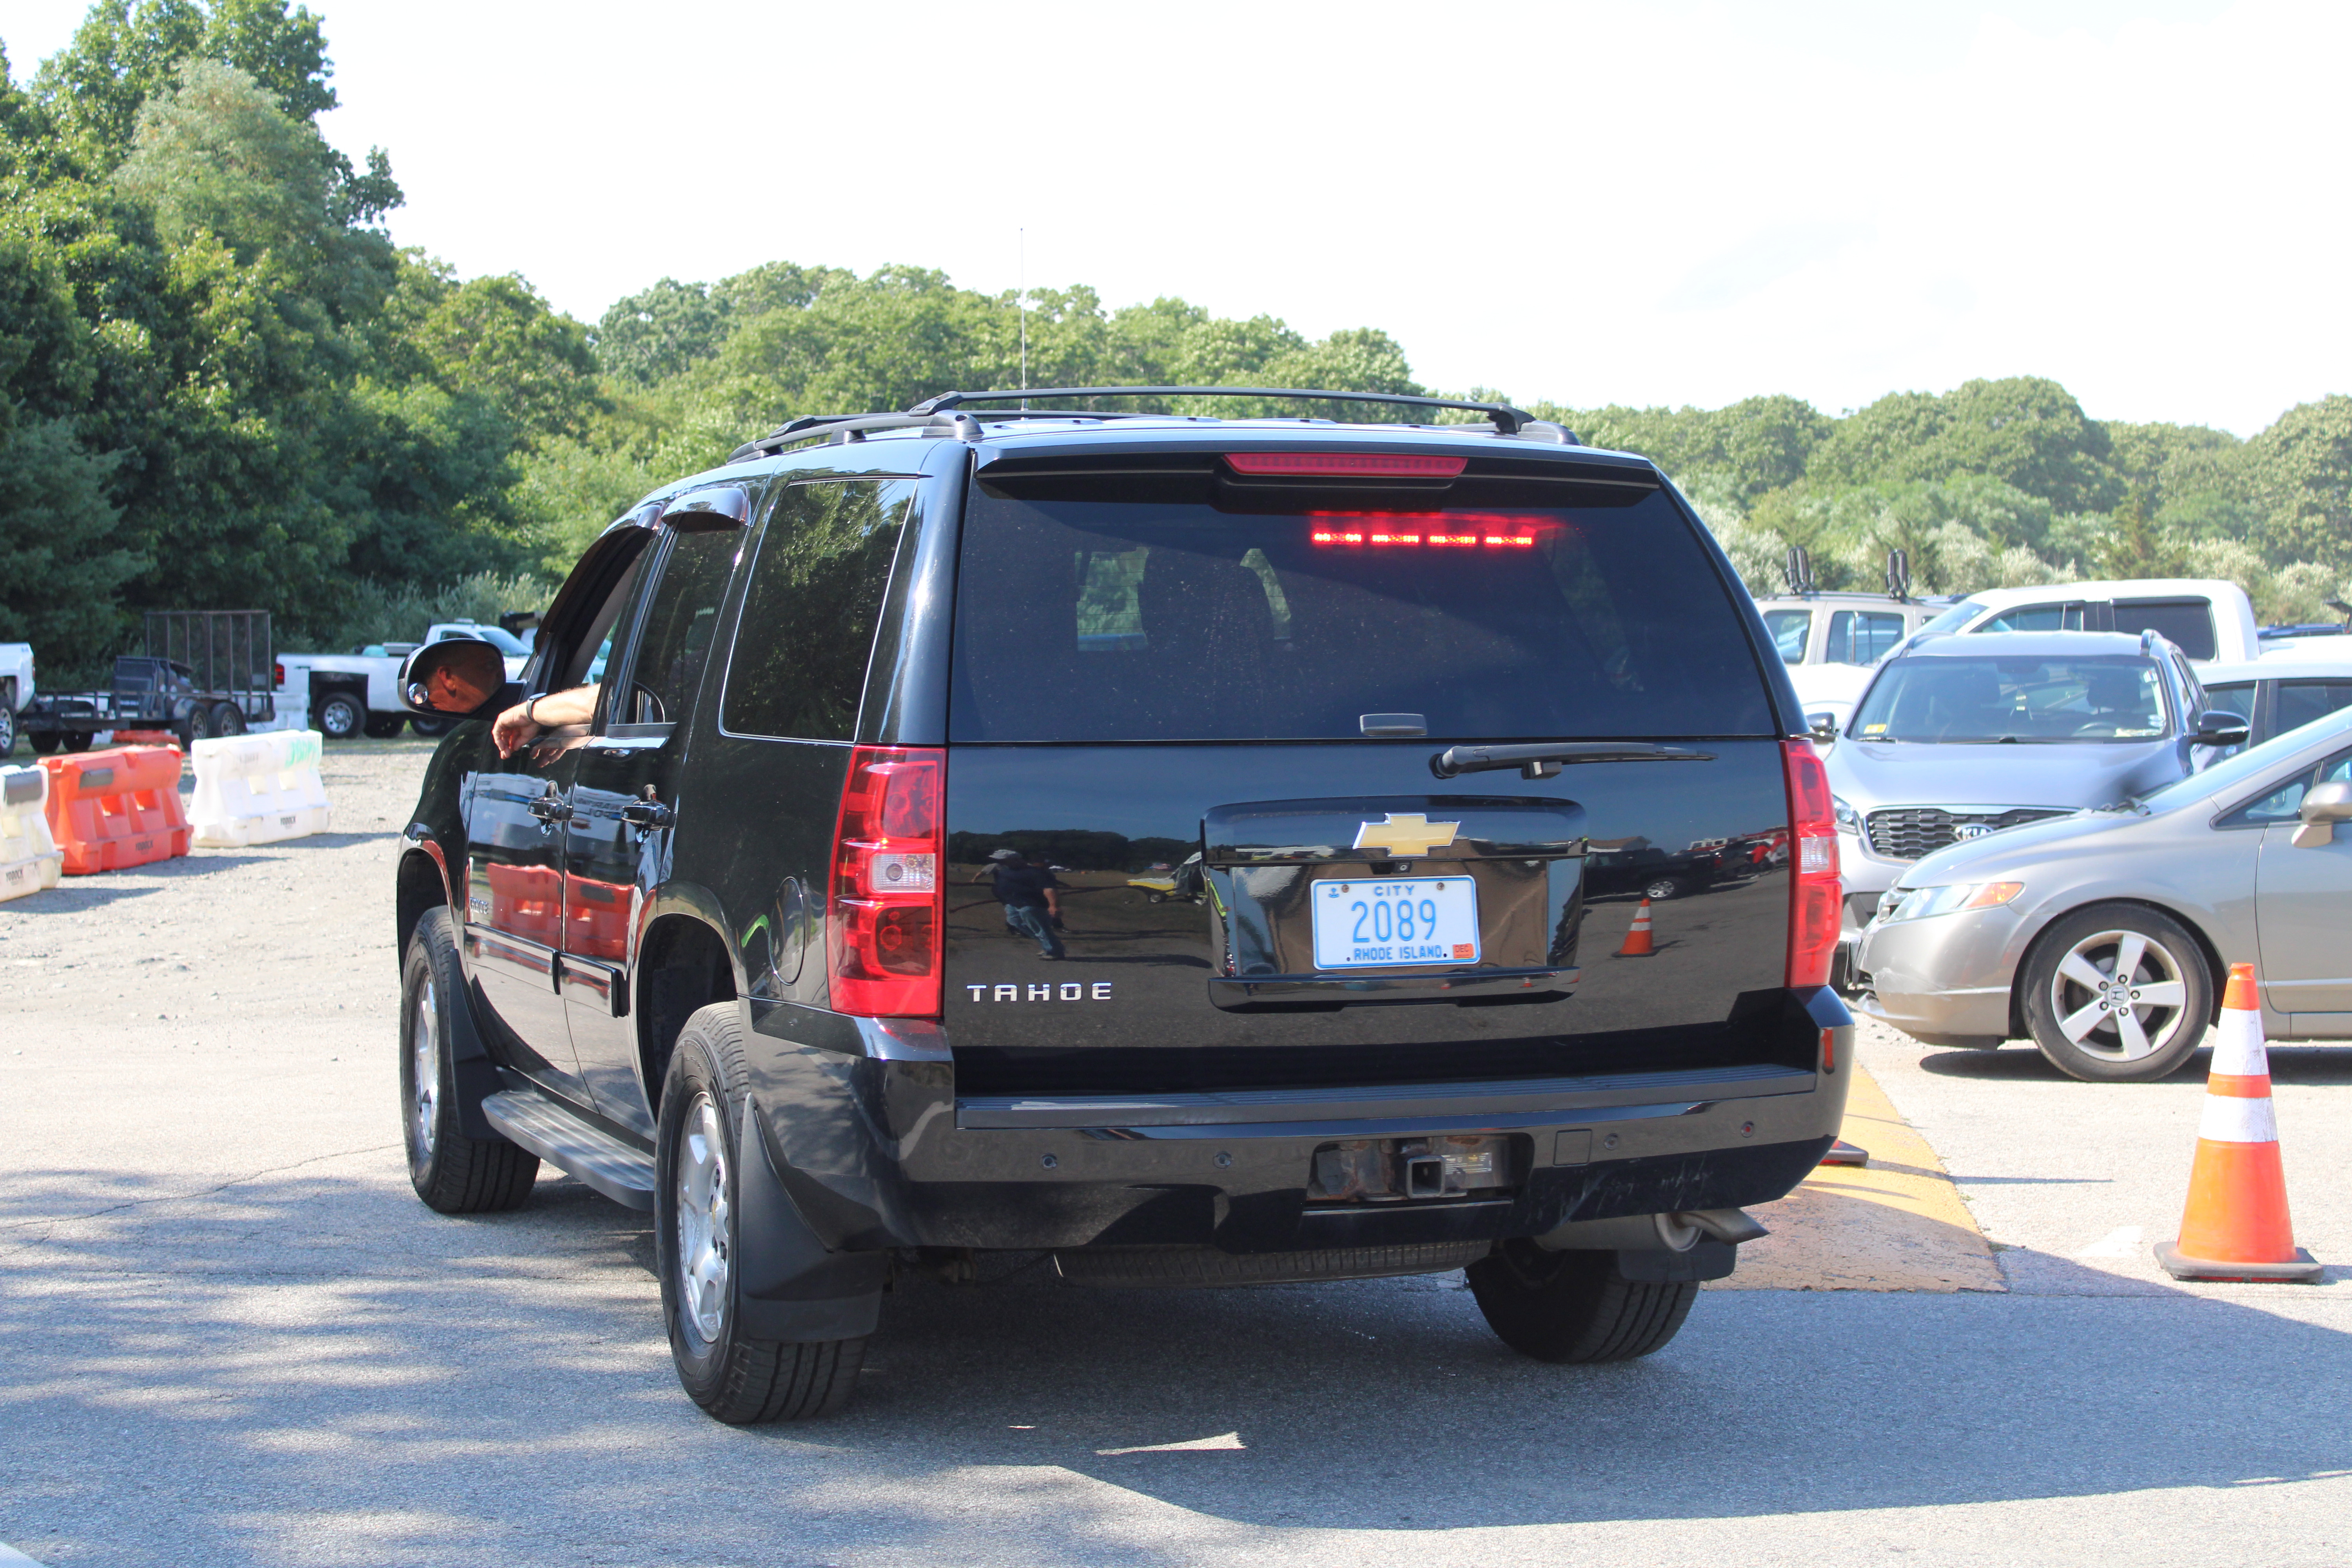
(1896, 1223)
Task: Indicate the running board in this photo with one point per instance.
(622, 1172)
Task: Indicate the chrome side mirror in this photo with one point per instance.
(2220, 727)
(2324, 806)
(459, 678)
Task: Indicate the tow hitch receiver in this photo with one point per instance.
(1407, 1170)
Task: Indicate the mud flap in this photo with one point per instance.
(788, 1287)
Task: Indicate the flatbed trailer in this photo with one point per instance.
(203, 673)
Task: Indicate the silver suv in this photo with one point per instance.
(1958, 737)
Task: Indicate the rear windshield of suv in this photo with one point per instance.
(1172, 607)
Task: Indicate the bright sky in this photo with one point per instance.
(1672, 202)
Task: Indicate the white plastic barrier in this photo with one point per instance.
(258, 789)
(30, 860)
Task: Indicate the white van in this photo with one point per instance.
(1829, 641)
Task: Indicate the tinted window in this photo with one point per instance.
(1862, 636)
(675, 644)
(1791, 629)
(807, 629)
(2037, 618)
(2186, 622)
(2282, 804)
(1990, 698)
(1145, 609)
(2301, 701)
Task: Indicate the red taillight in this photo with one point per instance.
(279, 673)
(1814, 894)
(1347, 465)
(1423, 528)
(882, 940)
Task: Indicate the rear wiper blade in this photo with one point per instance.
(1544, 759)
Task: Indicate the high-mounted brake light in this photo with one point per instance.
(1429, 529)
(1815, 895)
(1347, 465)
(883, 940)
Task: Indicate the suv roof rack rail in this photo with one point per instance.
(942, 411)
(1508, 421)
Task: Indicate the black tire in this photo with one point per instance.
(1574, 1306)
(432, 726)
(384, 726)
(737, 1379)
(452, 1172)
(338, 716)
(197, 725)
(1658, 890)
(47, 746)
(7, 724)
(2169, 963)
(228, 718)
(80, 739)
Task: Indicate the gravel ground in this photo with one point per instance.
(229, 1334)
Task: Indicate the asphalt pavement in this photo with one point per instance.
(229, 1334)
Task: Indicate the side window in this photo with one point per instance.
(2283, 803)
(2188, 623)
(798, 669)
(2301, 701)
(2037, 618)
(1790, 630)
(673, 643)
(580, 644)
(1862, 636)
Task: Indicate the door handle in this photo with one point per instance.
(551, 808)
(645, 813)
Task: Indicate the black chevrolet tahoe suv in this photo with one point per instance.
(840, 938)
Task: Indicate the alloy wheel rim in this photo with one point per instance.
(702, 1210)
(2119, 996)
(424, 1066)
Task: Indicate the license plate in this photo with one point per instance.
(1381, 922)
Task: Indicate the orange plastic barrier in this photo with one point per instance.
(114, 809)
(527, 901)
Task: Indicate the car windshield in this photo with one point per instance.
(1981, 700)
(1956, 618)
(2248, 767)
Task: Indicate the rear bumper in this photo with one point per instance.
(878, 1150)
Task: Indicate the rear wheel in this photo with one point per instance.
(1574, 1306)
(451, 1172)
(384, 726)
(228, 718)
(696, 1237)
(8, 723)
(431, 726)
(79, 739)
(196, 726)
(338, 716)
(2118, 993)
(1661, 888)
(47, 746)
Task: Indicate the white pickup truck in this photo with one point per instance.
(16, 689)
(355, 693)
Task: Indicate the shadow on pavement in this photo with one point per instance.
(2021, 1063)
(267, 1357)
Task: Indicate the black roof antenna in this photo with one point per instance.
(1799, 568)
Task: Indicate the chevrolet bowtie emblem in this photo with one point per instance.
(1407, 836)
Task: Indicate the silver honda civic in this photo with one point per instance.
(1957, 737)
(2105, 936)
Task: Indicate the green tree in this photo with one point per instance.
(2025, 431)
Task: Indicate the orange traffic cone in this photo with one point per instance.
(2236, 1225)
(1637, 940)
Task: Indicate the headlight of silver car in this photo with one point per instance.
(1918, 903)
(1848, 819)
